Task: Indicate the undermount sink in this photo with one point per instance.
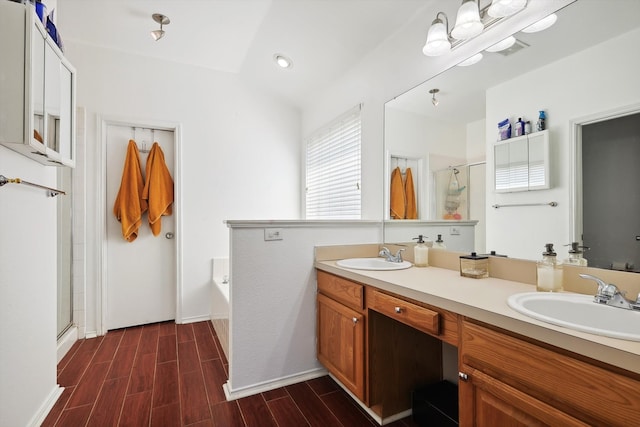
(578, 312)
(372, 264)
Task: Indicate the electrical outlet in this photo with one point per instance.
(454, 231)
(272, 234)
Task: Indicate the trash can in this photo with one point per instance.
(436, 405)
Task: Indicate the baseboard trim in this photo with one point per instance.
(46, 406)
(66, 341)
(195, 319)
(270, 385)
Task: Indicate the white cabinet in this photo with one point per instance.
(522, 163)
(37, 89)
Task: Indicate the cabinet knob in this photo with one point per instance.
(355, 320)
(398, 310)
(463, 376)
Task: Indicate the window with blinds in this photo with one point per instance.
(333, 169)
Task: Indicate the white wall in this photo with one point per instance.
(577, 86)
(28, 283)
(240, 153)
(273, 299)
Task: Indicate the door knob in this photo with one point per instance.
(169, 235)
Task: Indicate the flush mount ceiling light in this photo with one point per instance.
(162, 20)
(468, 23)
(542, 24)
(434, 101)
(503, 8)
(282, 61)
(470, 61)
(502, 45)
(438, 37)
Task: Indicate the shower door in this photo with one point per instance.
(65, 252)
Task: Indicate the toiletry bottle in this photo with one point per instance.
(420, 253)
(549, 269)
(575, 255)
(527, 127)
(541, 125)
(519, 131)
(439, 244)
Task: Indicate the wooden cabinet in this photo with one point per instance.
(37, 88)
(513, 381)
(341, 331)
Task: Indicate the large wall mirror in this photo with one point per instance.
(581, 71)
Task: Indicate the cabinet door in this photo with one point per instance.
(52, 98)
(65, 143)
(37, 86)
(487, 402)
(341, 343)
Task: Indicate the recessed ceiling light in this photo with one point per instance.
(282, 61)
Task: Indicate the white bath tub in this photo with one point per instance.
(220, 302)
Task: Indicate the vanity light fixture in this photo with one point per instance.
(282, 61)
(438, 37)
(468, 23)
(502, 45)
(162, 20)
(503, 8)
(434, 101)
(470, 61)
(542, 24)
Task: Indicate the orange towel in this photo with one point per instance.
(397, 197)
(129, 205)
(410, 196)
(158, 188)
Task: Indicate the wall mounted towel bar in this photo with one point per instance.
(552, 204)
(51, 192)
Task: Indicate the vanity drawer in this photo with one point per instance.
(348, 293)
(406, 312)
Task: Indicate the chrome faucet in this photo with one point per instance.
(389, 257)
(609, 294)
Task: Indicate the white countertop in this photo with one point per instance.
(486, 300)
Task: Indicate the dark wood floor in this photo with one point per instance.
(171, 375)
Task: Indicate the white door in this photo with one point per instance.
(140, 275)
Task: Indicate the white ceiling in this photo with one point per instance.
(324, 38)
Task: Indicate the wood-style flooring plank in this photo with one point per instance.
(323, 385)
(167, 328)
(214, 378)
(286, 413)
(167, 350)
(131, 336)
(143, 373)
(89, 387)
(58, 407)
(193, 398)
(148, 340)
(275, 394)
(185, 332)
(313, 409)
(341, 405)
(188, 357)
(106, 411)
(75, 416)
(76, 367)
(227, 414)
(123, 362)
(107, 350)
(207, 348)
(136, 410)
(256, 412)
(166, 416)
(165, 389)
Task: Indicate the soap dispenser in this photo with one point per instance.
(575, 255)
(439, 244)
(420, 252)
(549, 271)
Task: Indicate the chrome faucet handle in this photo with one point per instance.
(398, 255)
(601, 284)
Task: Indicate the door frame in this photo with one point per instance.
(101, 285)
(575, 167)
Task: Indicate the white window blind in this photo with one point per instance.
(333, 169)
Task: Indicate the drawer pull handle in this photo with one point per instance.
(355, 320)
(463, 376)
(398, 310)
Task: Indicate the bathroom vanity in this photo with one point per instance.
(380, 335)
